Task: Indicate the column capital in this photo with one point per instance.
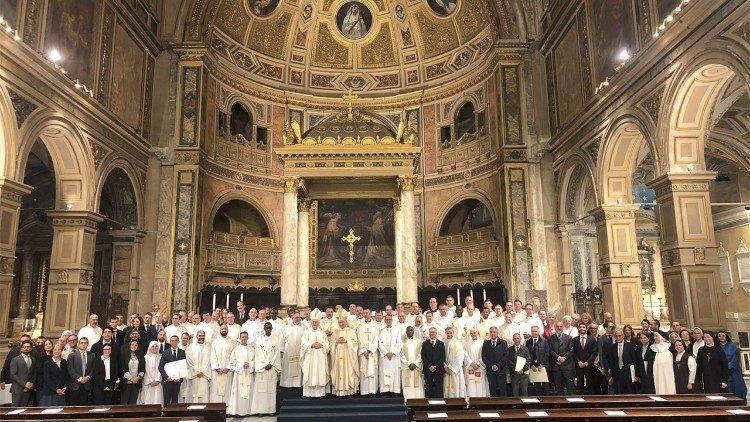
(291, 184)
(614, 212)
(13, 191)
(73, 218)
(694, 181)
(406, 183)
(303, 205)
(397, 204)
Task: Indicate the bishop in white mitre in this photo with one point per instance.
(291, 339)
(476, 377)
(314, 360)
(454, 384)
(242, 365)
(344, 365)
(199, 368)
(221, 376)
(267, 369)
(368, 337)
(412, 382)
(389, 364)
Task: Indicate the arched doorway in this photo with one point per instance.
(117, 247)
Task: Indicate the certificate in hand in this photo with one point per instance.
(520, 363)
(177, 369)
(539, 376)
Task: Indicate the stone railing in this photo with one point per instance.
(237, 149)
(470, 251)
(239, 254)
(468, 148)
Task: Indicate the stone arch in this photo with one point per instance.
(618, 158)
(122, 165)
(577, 169)
(463, 196)
(231, 195)
(8, 136)
(687, 110)
(70, 156)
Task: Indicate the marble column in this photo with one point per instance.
(398, 222)
(566, 273)
(688, 248)
(289, 234)
(408, 241)
(126, 253)
(303, 254)
(619, 272)
(71, 270)
(11, 193)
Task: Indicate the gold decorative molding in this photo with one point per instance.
(406, 183)
(304, 205)
(291, 184)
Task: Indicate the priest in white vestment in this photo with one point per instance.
(267, 369)
(412, 382)
(242, 365)
(476, 376)
(314, 360)
(506, 330)
(461, 326)
(253, 326)
(344, 365)
(233, 328)
(368, 333)
(151, 391)
(454, 384)
(199, 369)
(484, 324)
(175, 328)
(207, 326)
(530, 320)
(221, 376)
(472, 315)
(291, 339)
(389, 364)
(91, 331)
(429, 323)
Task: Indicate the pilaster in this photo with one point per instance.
(408, 247)
(290, 221)
(303, 254)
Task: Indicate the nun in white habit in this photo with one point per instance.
(151, 392)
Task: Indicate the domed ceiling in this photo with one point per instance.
(378, 46)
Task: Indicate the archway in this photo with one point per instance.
(8, 137)
(467, 215)
(117, 249)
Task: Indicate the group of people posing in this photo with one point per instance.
(240, 357)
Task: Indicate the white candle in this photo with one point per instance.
(227, 307)
(242, 297)
(458, 296)
(484, 295)
(214, 303)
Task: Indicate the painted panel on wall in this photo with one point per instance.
(9, 11)
(128, 59)
(568, 85)
(512, 105)
(519, 229)
(190, 106)
(183, 238)
(612, 30)
(70, 29)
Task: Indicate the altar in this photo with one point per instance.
(348, 209)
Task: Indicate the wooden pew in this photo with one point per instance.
(645, 414)
(211, 412)
(140, 411)
(156, 419)
(630, 400)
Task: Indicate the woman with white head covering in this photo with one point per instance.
(151, 393)
(663, 366)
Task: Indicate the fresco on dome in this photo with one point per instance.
(443, 7)
(263, 7)
(354, 20)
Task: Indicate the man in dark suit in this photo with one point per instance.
(433, 365)
(495, 359)
(241, 313)
(13, 352)
(80, 370)
(539, 350)
(171, 387)
(23, 374)
(107, 338)
(620, 357)
(602, 343)
(519, 379)
(561, 359)
(118, 336)
(584, 353)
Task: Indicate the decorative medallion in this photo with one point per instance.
(22, 107)
(263, 8)
(307, 12)
(443, 8)
(354, 20)
(400, 12)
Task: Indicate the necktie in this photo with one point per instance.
(517, 349)
(83, 359)
(433, 343)
(583, 342)
(174, 352)
(533, 344)
(28, 360)
(494, 343)
(619, 354)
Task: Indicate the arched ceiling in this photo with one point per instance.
(397, 46)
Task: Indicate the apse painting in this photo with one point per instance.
(355, 233)
(263, 8)
(70, 30)
(354, 20)
(443, 7)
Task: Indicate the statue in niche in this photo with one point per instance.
(331, 240)
(292, 133)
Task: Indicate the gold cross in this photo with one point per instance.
(350, 239)
(520, 243)
(182, 246)
(350, 98)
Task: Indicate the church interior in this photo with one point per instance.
(168, 155)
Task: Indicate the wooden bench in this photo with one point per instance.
(630, 400)
(209, 411)
(646, 414)
(156, 419)
(81, 412)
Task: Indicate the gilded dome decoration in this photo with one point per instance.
(369, 46)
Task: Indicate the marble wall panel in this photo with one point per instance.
(128, 62)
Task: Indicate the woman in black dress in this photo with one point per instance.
(713, 368)
(55, 379)
(106, 374)
(684, 369)
(132, 368)
(644, 360)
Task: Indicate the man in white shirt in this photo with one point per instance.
(233, 329)
(568, 328)
(221, 376)
(174, 329)
(507, 330)
(291, 341)
(253, 326)
(389, 363)
(91, 331)
(450, 306)
(529, 321)
(411, 366)
(198, 356)
(368, 336)
(471, 315)
(442, 319)
(207, 327)
(518, 312)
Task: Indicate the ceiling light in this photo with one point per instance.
(54, 56)
(68, 205)
(678, 9)
(662, 27)
(1, 19)
(78, 84)
(16, 36)
(8, 29)
(624, 55)
(690, 167)
(606, 82)
(669, 18)
(656, 35)
(619, 200)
